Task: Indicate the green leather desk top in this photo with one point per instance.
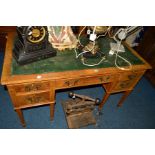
(66, 61)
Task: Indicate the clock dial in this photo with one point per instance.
(36, 34)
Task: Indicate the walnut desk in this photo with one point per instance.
(35, 84)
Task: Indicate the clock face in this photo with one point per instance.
(36, 34)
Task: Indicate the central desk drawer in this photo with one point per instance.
(31, 87)
(66, 83)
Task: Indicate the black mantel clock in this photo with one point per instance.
(31, 44)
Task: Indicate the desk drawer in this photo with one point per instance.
(34, 99)
(66, 83)
(123, 85)
(130, 76)
(127, 81)
(31, 87)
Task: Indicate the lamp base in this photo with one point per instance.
(92, 50)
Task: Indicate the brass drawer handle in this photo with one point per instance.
(124, 84)
(67, 83)
(37, 87)
(132, 76)
(32, 87)
(105, 79)
(101, 79)
(73, 83)
(76, 82)
(34, 99)
(28, 88)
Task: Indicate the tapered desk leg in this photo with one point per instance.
(104, 100)
(52, 111)
(125, 95)
(21, 117)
